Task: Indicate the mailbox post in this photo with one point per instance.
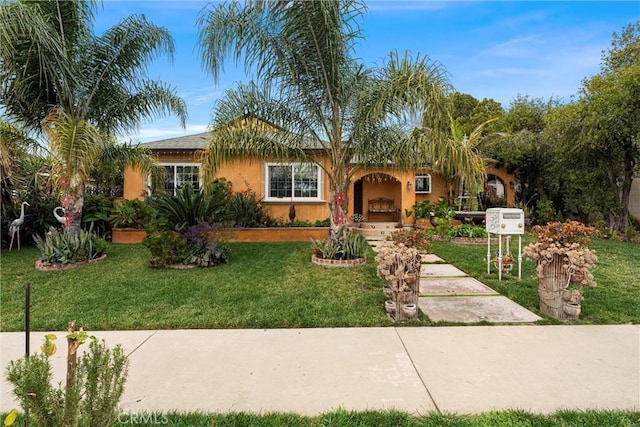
(504, 222)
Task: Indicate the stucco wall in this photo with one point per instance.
(249, 175)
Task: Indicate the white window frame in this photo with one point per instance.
(427, 177)
(292, 198)
(175, 165)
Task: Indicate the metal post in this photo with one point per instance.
(27, 316)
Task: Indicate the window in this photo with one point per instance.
(423, 184)
(179, 175)
(293, 182)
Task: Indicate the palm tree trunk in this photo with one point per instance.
(338, 209)
(74, 215)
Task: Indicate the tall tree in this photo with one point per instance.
(76, 88)
(312, 93)
(608, 109)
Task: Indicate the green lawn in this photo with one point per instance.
(267, 285)
(341, 418)
(616, 299)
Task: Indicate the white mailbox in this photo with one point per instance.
(505, 221)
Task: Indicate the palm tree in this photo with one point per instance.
(310, 92)
(77, 89)
(461, 158)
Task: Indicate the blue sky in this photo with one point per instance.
(491, 49)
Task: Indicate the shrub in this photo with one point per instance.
(206, 245)
(468, 231)
(545, 212)
(202, 244)
(95, 213)
(90, 397)
(166, 247)
(245, 210)
(60, 248)
(423, 209)
(131, 214)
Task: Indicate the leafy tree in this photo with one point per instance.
(525, 149)
(487, 113)
(312, 93)
(607, 120)
(76, 88)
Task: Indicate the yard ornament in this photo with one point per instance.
(60, 219)
(16, 224)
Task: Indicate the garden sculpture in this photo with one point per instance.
(16, 224)
(60, 219)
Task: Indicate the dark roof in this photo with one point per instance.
(188, 142)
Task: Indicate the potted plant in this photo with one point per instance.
(564, 264)
(129, 219)
(422, 213)
(506, 263)
(407, 214)
(357, 219)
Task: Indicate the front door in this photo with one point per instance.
(357, 197)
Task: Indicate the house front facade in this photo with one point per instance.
(282, 184)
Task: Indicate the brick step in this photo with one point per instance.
(374, 234)
(378, 225)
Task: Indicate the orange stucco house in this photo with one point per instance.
(283, 184)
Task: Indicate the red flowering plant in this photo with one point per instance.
(570, 242)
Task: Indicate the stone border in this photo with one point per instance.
(338, 262)
(57, 267)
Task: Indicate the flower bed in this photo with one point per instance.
(41, 266)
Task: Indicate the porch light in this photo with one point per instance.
(409, 185)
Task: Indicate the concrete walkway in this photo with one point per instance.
(415, 369)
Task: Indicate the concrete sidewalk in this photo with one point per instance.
(414, 369)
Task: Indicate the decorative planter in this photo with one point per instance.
(572, 310)
(387, 291)
(390, 306)
(338, 262)
(506, 267)
(128, 235)
(56, 267)
(410, 310)
(551, 287)
(405, 297)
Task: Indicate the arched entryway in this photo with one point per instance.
(375, 186)
(495, 191)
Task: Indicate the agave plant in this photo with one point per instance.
(61, 248)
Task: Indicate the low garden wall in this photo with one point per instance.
(278, 234)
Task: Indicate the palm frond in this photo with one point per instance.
(75, 145)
